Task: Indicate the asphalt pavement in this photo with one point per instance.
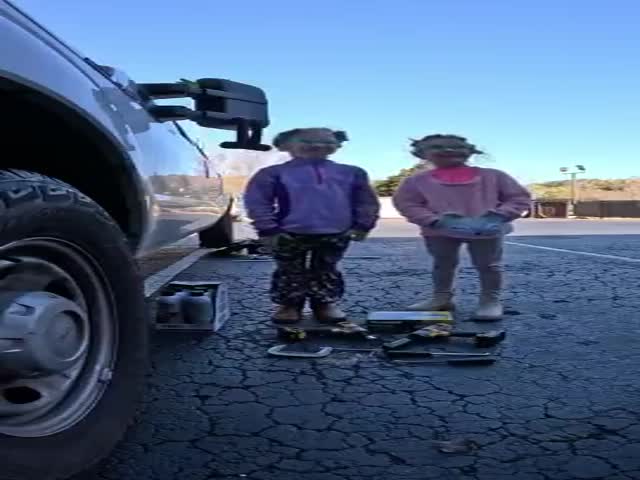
(532, 228)
(560, 403)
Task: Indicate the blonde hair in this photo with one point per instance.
(283, 137)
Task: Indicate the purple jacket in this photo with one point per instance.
(313, 197)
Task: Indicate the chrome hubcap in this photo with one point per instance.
(41, 333)
(57, 336)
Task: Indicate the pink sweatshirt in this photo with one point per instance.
(425, 196)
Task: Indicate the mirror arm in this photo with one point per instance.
(186, 90)
(166, 90)
(164, 113)
(248, 134)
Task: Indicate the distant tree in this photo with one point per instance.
(242, 163)
(607, 185)
(588, 189)
(387, 187)
(556, 190)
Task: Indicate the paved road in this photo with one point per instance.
(561, 403)
(533, 227)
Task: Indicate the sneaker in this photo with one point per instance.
(329, 313)
(489, 309)
(441, 302)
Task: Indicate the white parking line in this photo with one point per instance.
(577, 252)
(156, 281)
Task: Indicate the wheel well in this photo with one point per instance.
(50, 139)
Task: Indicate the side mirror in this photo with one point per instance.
(233, 106)
(225, 101)
(220, 104)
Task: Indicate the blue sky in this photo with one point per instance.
(539, 84)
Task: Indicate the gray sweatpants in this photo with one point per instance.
(486, 256)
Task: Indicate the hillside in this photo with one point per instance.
(590, 189)
(235, 184)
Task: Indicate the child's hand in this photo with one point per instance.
(271, 242)
(491, 224)
(358, 235)
(457, 224)
(495, 217)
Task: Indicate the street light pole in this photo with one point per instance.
(573, 175)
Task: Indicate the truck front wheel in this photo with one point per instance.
(73, 335)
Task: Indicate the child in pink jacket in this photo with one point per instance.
(455, 203)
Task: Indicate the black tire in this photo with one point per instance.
(37, 206)
(219, 235)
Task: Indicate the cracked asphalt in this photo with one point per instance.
(561, 402)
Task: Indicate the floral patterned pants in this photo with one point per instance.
(307, 269)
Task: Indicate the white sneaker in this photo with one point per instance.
(489, 308)
(439, 303)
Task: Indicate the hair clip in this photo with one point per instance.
(341, 136)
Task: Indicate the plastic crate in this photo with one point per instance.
(218, 294)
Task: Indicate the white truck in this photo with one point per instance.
(94, 172)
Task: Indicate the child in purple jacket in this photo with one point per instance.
(455, 203)
(308, 210)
